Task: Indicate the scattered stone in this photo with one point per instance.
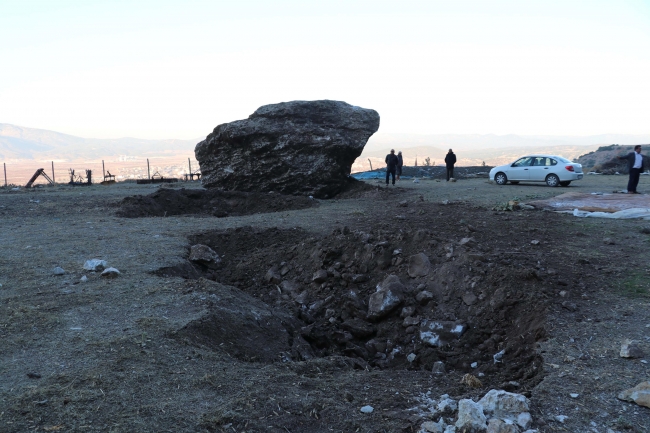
(95, 265)
(320, 276)
(438, 368)
(640, 394)
(389, 296)
(534, 242)
(608, 241)
(433, 427)
(367, 409)
(504, 405)
(469, 298)
(84, 279)
(407, 311)
(423, 297)
(574, 395)
(438, 333)
(403, 203)
(561, 418)
(474, 364)
(496, 425)
(419, 265)
(446, 405)
(304, 147)
(411, 357)
(497, 356)
(631, 349)
(204, 255)
(411, 321)
(58, 271)
(110, 273)
(470, 417)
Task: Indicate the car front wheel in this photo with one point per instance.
(552, 180)
(500, 178)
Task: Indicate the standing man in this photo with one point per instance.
(400, 163)
(450, 160)
(391, 165)
(635, 167)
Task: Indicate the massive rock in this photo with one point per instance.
(298, 147)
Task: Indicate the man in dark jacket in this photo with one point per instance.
(635, 167)
(391, 165)
(400, 163)
(450, 160)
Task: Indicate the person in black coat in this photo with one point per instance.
(450, 160)
(635, 167)
(400, 163)
(391, 165)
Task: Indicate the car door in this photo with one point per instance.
(539, 168)
(520, 169)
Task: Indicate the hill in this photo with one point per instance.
(18, 142)
(605, 159)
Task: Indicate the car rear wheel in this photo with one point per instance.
(552, 180)
(565, 183)
(500, 178)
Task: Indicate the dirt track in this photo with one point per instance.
(131, 354)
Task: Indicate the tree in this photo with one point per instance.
(483, 164)
(427, 161)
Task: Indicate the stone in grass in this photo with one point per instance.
(58, 271)
(631, 349)
(110, 273)
(95, 265)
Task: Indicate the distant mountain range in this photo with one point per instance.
(17, 142)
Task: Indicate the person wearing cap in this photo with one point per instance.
(450, 160)
(400, 163)
(635, 167)
(391, 165)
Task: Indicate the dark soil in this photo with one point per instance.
(278, 267)
(168, 202)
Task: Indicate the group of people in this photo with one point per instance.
(394, 165)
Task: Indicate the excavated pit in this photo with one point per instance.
(471, 310)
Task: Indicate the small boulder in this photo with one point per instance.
(367, 409)
(424, 296)
(470, 417)
(631, 349)
(58, 271)
(469, 298)
(204, 255)
(388, 297)
(433, 427)
(505, 405)
(419, 265)
(437, 333)
(640, 394)
(110, 273)
(95, 265)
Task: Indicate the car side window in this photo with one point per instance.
(522, 162)
(553, 162)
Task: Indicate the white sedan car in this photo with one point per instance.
(552, 169)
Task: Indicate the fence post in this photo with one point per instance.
(103, 170)
(53, 179)
(148, 171)
(5, 165)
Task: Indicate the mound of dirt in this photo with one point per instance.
(390, 299)
(167, 202)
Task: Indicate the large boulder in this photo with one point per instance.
(297, 147)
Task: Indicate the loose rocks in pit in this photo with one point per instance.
(167, 202)
(389, 299)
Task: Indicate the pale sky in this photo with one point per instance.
(176, 69)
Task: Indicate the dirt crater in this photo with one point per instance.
(325, 283)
